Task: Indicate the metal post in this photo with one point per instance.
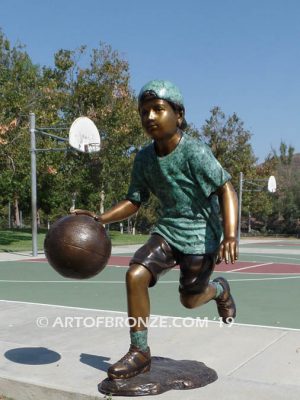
(33, 184)
(240, 205)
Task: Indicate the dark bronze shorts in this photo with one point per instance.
(159, 257)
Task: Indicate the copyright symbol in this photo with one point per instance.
(42, 322)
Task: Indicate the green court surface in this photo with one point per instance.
(267, 299)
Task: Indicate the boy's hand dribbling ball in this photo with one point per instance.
(77, 246)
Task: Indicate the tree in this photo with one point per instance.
(230, 143)
(286, 209)
(19, 88)
(58, 95)
(100, 91)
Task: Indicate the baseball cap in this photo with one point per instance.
(164, 90)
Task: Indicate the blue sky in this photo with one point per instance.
(241, 55)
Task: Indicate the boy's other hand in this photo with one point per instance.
(228, 251)
(78, 211)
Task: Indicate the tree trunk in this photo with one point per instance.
(16, 213)
(134, 223)
(38, 217)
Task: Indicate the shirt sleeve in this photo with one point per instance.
(207, 170)
(138, 191)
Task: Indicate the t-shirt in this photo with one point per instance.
(184, 181)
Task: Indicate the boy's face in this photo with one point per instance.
(159, 118)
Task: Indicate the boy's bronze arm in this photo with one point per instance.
(228, 249)
(124, 209)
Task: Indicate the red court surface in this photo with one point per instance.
(240, 266)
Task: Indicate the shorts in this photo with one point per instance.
(158, 256)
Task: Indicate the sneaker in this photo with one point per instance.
(133, 363)
(225, 302)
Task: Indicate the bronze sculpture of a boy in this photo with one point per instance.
(192, 188)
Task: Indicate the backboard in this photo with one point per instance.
(272, 184)
(84, 135)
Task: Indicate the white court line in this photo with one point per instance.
(249, 267)
(265, 279)
(152, 315)
(256, 354)
(75, 282)
(281, 258)
(236, 270)
(250, 279)
(159, 282)
(247, 273)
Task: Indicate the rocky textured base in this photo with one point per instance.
(165, 374)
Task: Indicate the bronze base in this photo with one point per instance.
(165, 374)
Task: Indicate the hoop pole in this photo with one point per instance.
(33, 184)
(58, 138)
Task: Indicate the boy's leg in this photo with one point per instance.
(138, 279)
(148, 263)
(196, 289)
(195, 271)
(196, 300)
(138, 358)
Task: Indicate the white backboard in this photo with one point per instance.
(272, 184)
(84, 135)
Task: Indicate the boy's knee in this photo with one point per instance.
(138, 274)
(187, 301)
(188, 289)
(192, 299)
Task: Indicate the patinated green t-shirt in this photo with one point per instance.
(184, 182)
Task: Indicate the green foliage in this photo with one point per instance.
(20, 239)
(96, 85)
(58, 95)
(100, 91)
(285, 217)
(19, 90)
(230, 143)
(147, 215)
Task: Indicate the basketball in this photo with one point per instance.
(77, 246)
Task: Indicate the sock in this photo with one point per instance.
(219, 288)
(139, 339)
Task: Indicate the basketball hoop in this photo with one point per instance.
(92, 147)
(84, 136)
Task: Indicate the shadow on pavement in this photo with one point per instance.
(32, 355)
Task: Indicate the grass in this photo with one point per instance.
(20, 240)
(118, 239)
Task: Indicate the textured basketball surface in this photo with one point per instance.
(77, 246)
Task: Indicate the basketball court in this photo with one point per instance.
(59, 336)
